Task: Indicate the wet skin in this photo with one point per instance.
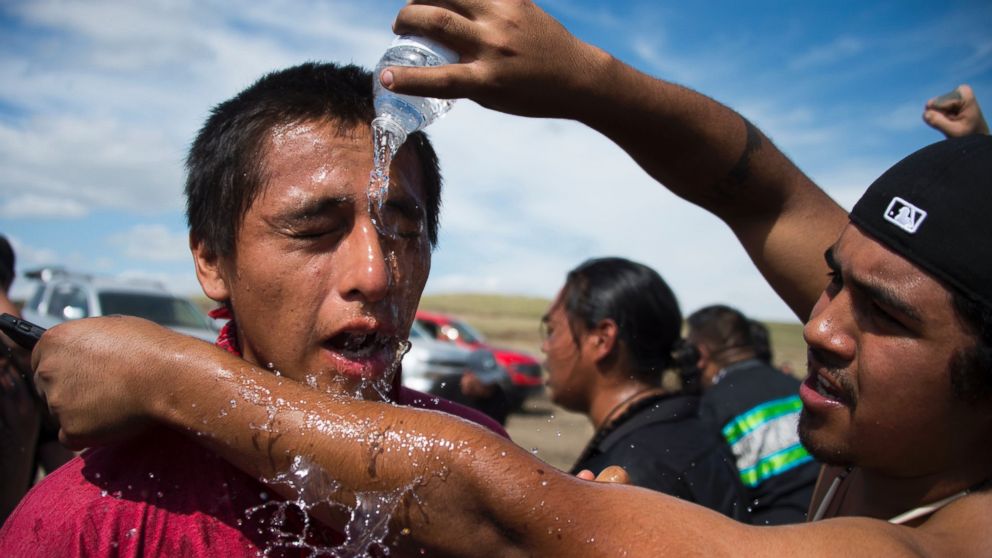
(311, 278)
(882, 340)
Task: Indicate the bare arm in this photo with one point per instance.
(472, 493)
(517, 59)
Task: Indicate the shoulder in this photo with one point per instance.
(413, 398)
(963, 528)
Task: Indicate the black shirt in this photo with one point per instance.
(756, 408)
(664, 446)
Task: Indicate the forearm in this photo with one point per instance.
(711, 156)
(471, 493)
(271, 427)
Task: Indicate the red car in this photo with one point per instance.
(524, 370)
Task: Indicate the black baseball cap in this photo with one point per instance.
(935, 209)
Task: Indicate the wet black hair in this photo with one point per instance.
(722, 329)
(636, 298)
(226, 163)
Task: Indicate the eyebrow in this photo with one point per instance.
(312, 209)
(877, 292)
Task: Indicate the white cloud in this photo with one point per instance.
(33, 205)
(153, 243)
(838, 50)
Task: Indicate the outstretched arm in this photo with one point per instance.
(469, 491)
(517, 59)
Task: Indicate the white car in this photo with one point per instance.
(436, 367)
(61, 295)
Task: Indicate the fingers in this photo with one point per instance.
(447, 82)
(447, 26)
(948, 101)
(585, 474)
(613, 474)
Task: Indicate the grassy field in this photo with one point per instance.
(512, 321)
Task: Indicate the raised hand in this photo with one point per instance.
(956, 114)
(515, 58)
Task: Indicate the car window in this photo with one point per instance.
(468, 333)
(68, 301)
(164, 310)
(428, 326)
(36, 298)
(417, 331)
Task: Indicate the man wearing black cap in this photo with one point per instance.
(897, 301)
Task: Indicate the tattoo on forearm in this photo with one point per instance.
(739, 175)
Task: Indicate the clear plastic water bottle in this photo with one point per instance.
(400, 115)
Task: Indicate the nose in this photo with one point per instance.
(368, 277)
(830, 324)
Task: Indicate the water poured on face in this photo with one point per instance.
(385, 145)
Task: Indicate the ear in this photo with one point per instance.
(602, 339)
(209, 271)
(704, 356)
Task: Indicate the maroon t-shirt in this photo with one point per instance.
(164, 495)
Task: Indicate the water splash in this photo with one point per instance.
(384, 145)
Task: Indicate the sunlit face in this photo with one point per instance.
(317, 292)
(882, 343)
(568, 380)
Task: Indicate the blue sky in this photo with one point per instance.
(99, 101)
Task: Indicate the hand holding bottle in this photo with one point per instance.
(515, 58)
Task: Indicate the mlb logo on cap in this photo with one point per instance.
(904, 215)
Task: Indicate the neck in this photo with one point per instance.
(612, 401)
(883, 496)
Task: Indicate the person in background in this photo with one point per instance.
(29, 442)
(608, 337)
(956, 114)
(756, 409)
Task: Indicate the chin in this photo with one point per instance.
(813, 436)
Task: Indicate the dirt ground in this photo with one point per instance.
(551, 433)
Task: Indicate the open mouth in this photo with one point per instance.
(355, 345)
(827, 389)
(366, 353)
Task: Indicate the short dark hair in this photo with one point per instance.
(722, 329)
(6, 264)
(636, 298)
(226, 168)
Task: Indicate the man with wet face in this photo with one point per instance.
(898, 325)
(282, 238)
